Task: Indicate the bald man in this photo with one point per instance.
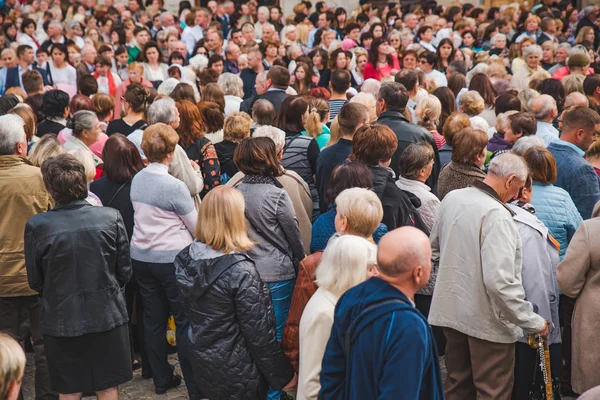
(380, 335)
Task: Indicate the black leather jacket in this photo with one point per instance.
(77, 258)
(232, 333)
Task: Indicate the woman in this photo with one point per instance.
(271, 223)
(28, 36)
(469, 42)
(445, 54)
(409, 61)
(55, 107)
(382, 62)
(86, 341)
(481, 84)
(577, 277)
(303, 78)
(231, 308)
(448, 102)
(30, 122)
(104, 106)
(586, 34)
(415, 164)
(377, 30)
(339, 23)
(498, 43)
(233, 90)
(13, 369)
(161, 230)
(548, 52)
(518, 62)
(301, 152)
(85, 132)
(122, 161)
(338, 60)
(532, 24)
(213, 93)
(347, 261)
(428, 112)
(235, 129)
(59, 70)
(315, 126)
(136, 75)
(47, 147)
(553, 205)
(532, 55)
(468, 157)
(425, 36)
(270, 49)
(320, 60)
(155, 71)
(361, 59)
(135, 102)
(212, 121)
(196, 146)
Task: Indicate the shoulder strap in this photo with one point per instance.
(116, 193)
(276, 245)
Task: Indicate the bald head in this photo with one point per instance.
(402, 250)
(576, 99)
(544, 108)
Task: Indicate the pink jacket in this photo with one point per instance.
(121, 92)
(565, 71)
(96, 148)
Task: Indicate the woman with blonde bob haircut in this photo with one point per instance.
(12, 367)
(347, 261)
(229, 305)
(48, 146)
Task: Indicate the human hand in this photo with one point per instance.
(544, 332)
(293, 383)
(195, 165)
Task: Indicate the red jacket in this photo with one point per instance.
(371, 72)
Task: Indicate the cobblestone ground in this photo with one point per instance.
(143, 389)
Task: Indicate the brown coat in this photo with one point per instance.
(303, 291)
(457, 176)
(22, 195)
(579, 277)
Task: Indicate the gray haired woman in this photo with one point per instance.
(86, 131)
(233, 88)
(533, 57)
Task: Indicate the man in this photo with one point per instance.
(194, 31)
(262, 16)
(320, 8)
(260, 87)
(74, 33)
(548, 31)
(237, 36)
(410, 80)
(142, 36)
(232, 52)
(456, 67)
(88, 59)
(562, 54)
(351, 117)
(9, 60)
(14, 76)
(324, 22)
(248, 75)
(427, 61)
(278, 80)
(33, 83)
(391, 102)
(353, 32)
(268, 32)
(23, 196)
(591, 88)
(574, 173)
(180, 47)
(410, 23)
(166, 20)
(545, 111)
(339, 84)
(214, 42)
(377, 332)
(55, 35)
(478, 297)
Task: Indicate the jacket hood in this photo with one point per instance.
(381, 175)
(198, 266)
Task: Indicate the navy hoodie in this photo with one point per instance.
(392, 354)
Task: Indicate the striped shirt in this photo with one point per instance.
(334, 108)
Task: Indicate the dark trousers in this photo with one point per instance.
(423, 304)
(134, 304)
(566, 306)
(17, 315)
(478, 369)
(526, 362)
(160, 296)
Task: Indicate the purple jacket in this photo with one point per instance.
(497, 142)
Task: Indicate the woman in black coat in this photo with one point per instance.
(77, 259)
(232, 325)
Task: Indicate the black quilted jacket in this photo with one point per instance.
(232, 335)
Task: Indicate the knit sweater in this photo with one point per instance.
(577, 176)
(164, 217)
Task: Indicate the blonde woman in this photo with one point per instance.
(471, 103)
(85, 158)
(586, 34)
(233, 89)
(532, 56)
(516, 52)
(367, 100)
(318, 115)
(232, 308)
(235, 129)
(347, 261)
(47, 147)
(12, 367)
(428, 113)
(548, 53)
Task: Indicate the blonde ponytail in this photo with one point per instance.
(318, 111)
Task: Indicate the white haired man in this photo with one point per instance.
(544, 110)
(478, 298)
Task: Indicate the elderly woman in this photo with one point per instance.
(231, 310)
(86, 130)
(415, 164)
(468, 157)
(532, 56)
(233, 88)
(347, 261)
(235, 129)
(84, 316)
(471, 103)
(161, 230)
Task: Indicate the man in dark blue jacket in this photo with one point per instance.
(381, 346)
(25, 63)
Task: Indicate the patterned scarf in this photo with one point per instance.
(262, 179)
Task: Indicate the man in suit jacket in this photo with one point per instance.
(26, 57)
(548, 31)
(278, 80)
(87, 64)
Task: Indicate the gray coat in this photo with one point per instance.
(540, 258)
(270, 213)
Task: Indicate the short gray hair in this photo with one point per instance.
(496, 37)
(371, 86)
(527, 142)
(83, 120)
(508, 164)
(231, 84)
(533, 49)
(162, 110)
(275, 134)
(542, 106)
(12, 131)
(564, 45)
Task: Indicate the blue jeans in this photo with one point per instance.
(281, 295)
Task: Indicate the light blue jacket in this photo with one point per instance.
(555, 208)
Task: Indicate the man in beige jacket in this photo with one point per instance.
(478, 296)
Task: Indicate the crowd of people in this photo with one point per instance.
(327, 204)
